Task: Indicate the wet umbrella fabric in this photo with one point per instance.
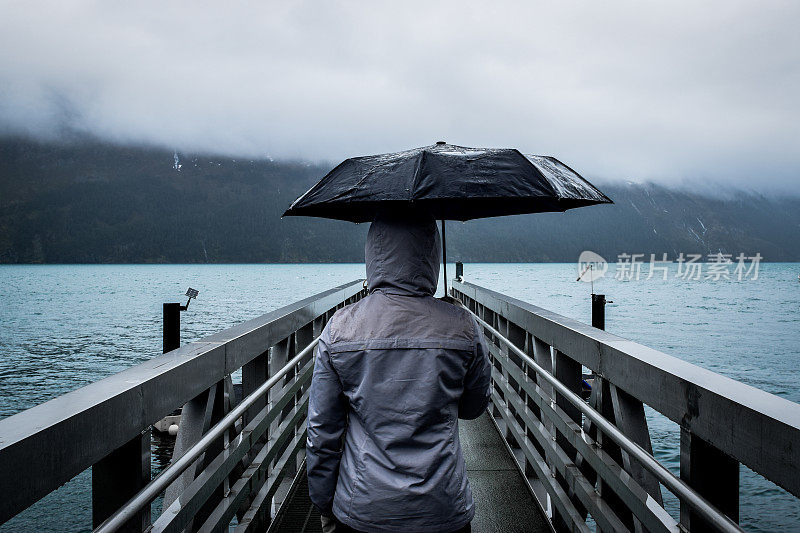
(449, 182)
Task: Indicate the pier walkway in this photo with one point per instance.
(544, 456)
(503, 501)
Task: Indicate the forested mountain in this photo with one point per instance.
(89, 202)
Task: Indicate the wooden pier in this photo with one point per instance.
(541, 458)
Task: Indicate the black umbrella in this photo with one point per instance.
(450, 182)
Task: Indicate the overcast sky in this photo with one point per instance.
(667, 91)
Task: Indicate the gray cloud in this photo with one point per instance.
(677, 92)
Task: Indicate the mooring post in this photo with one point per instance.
(599, 311)
(172, 326)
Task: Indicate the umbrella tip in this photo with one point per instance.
(440, 142)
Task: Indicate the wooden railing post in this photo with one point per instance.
(568, 372)
(254, 374)
(712, 473)
(118, 477)
(281, 354)
(197, 416)
(629, 417)
(304, 336)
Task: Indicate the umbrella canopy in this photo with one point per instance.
(450, 182)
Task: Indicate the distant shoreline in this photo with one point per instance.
(107, 204)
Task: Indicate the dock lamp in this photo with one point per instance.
(191, 293)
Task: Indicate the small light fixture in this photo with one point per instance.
(191, 293)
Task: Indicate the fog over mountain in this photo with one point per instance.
(702, 94)
(92, 202)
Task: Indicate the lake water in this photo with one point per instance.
(64, 326)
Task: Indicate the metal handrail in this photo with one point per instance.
(667, 478)
(174, 470)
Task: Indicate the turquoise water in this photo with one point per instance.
(64, 326)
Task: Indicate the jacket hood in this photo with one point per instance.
(402, 254)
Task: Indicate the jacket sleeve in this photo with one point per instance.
(477, 382)
(327, 419)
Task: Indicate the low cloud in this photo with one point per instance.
(679, 92)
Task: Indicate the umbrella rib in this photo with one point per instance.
(413, 190)
(317, 186)
(553, 189)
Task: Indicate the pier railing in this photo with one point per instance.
(592, 457)
(231, 462)
(586, 455)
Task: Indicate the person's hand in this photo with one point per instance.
(328, 523)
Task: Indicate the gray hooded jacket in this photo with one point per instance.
(393, 374)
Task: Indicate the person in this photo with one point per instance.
(393, 374)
